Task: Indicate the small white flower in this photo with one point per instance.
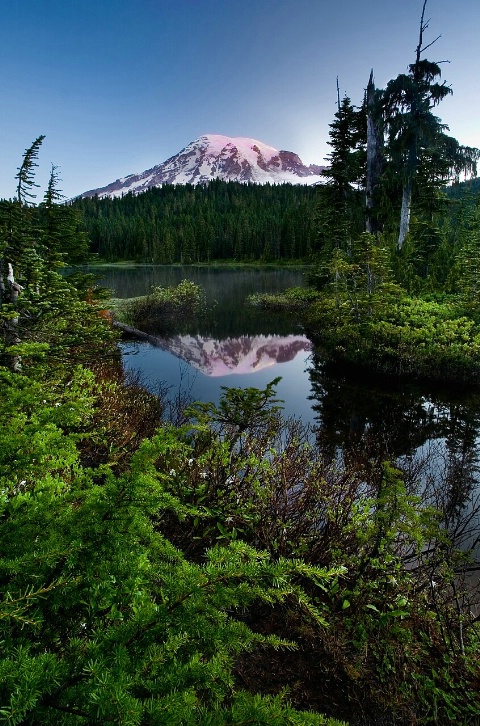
(190, 462)
(203, 475)
(172, 472)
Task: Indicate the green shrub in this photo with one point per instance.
(293, 299)
(406, 337)
(165, 310)
(102, 619)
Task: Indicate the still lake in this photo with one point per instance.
(433, 430)
(234, 346)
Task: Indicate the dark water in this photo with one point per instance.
(225, 288)
(432, 431)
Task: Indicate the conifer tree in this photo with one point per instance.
(339, 213)
(33, 243)
(62, 237)
(416, 137)
(468, 259)
(17, 224)
(26, 173)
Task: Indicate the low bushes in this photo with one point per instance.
(291, 300)
(166, 310)
(388, 646)
(404, 337)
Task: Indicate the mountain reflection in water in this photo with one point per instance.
(247, 354)
(433, 434)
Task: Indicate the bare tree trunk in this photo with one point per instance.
(410, 171)
(14, 339)
(374, 158)
(2, 283)
(412, 162)
(405, 212)
(15, 288)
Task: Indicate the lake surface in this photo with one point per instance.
(434, 431)
(234, 346)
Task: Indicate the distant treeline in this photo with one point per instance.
(220, 220)
(464, 188)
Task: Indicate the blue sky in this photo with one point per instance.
(118, 86)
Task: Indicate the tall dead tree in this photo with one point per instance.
(412, 152)
(375, 157)
(408, 103)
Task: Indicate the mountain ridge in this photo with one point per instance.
(213, 156)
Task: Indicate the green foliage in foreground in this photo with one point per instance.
(102, 619)
(137, 590)
(244, 473)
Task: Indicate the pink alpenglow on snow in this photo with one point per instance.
(218, 157)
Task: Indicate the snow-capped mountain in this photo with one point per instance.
(218, 157)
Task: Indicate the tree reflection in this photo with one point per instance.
(431, 434)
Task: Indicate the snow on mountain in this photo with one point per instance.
(235, 355)
(218, 157)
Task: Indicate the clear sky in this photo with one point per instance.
(118, 86)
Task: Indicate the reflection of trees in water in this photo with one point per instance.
(234, 319)
(226, 290)
(431, 435)
(363, 419)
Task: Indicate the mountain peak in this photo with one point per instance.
(213, 156)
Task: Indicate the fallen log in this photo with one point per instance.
(127, 330)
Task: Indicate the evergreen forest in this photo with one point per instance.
(396, 260)
(206, 564)
(195, 224)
